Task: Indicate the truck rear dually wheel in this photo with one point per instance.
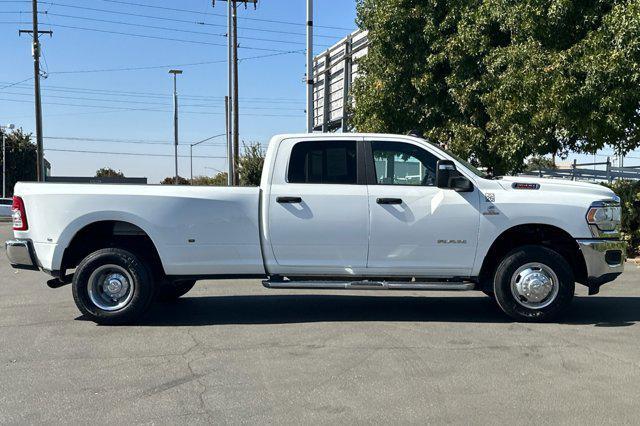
(112, 286)
(533, 283)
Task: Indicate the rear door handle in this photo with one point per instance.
(389, 201)
(283, 200)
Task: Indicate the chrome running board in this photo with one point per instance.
(369, 285)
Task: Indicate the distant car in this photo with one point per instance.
(5, 207)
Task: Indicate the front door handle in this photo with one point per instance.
(283, 200)
(389, 201)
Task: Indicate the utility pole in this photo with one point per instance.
(229, 97)
(233, 125)
(227, 117)
(236, 120)
(36, 84)
(309, 66)
(175, 120)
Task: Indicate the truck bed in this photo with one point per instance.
(196, 230)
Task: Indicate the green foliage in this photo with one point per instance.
(109, 172)
(499, 81)
(170, 180)
(219, 179)
(537, 162)
(629, 192)
(21, 159)
(251, 163)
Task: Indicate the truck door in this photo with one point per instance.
(416, 227)
(318, 208)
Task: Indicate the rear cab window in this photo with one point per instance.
(323, 162)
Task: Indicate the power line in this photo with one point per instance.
(264, 49)
(147, 109)
(124, 99)
(171, 65)
(107, 92)
(136, 68)
(16, 83)
(133, 24)
(273, 21)
(143, 154)
(128, 101)
(125, 141)
(184, 21)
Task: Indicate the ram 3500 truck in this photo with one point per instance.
(333, 211)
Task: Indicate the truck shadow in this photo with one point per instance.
(603, 311)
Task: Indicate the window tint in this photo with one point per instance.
(323, 162)
(403, 164)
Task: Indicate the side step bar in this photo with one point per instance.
(369, 285)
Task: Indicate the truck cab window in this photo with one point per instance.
(403, 164)
(323, 162)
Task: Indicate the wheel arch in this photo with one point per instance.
(546, 235)
(96, 231)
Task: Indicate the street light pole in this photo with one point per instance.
(175, 120)
(191, 145)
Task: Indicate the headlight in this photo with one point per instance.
(604, 218)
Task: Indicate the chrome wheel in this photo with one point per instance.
(110, 287)
(534, 285)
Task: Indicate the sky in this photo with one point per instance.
(132, 109)
(107, 97)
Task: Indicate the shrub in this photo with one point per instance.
(629, 193)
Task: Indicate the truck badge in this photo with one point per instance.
(491, 211)
(452, 241)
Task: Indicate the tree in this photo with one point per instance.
(219, 179)
(109, 172)
(170, 180)
(21, 159)
(500, 81)
(536, 163)
(251, 163)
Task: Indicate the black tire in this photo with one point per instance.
(549, 307)
(489, 293)
(136, 300)
(170, 291)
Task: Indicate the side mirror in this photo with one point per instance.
(448, 177)
(444, 170)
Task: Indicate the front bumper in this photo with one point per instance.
(21, 254)
(604, 260)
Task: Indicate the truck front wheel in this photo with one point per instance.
(112, 286)
(533, 284)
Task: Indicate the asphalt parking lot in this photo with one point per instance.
(234, 352)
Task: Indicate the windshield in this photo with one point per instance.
(465, 163)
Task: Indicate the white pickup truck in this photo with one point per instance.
(333, 211)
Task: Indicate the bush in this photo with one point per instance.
(629, 193)
(170, 180)
(109, 172)
(219, 179)
(251, 163)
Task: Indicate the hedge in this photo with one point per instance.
(629, 193)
